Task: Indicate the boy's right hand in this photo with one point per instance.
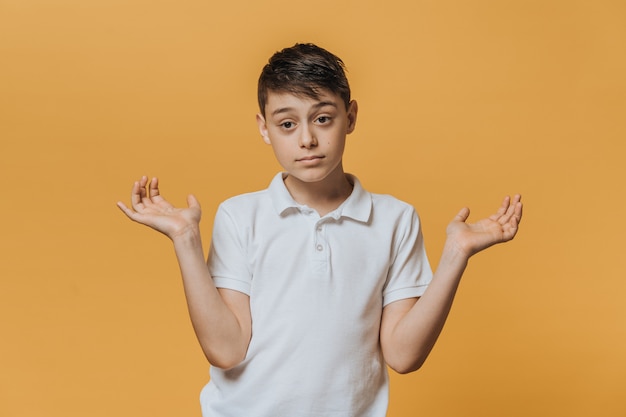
(149, 208)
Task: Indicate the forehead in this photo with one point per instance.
(281, 100)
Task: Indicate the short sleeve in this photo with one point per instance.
(410, 272)
(227, 256)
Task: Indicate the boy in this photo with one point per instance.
(313, 285)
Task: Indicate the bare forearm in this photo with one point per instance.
(410, 329)
(220, 319)
(415, 334)
(222, 337)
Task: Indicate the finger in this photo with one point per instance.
(153, 187)
(513, 212)
(516, 217)
(506, 216)
(506, 211)
(135, 195)
(497, 216)
(133, 215)
(127, 211)
(154, 192)
(462, 215)
(506, 203)
(192, 201)
(519, 208)
(122, 206)
(143, 190)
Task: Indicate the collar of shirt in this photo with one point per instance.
(358, 206)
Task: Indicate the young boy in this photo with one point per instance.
(314, 285)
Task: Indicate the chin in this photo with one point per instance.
(309, 177)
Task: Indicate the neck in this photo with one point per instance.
(323, 196)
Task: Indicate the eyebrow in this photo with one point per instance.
(315, 106)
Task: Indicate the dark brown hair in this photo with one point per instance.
(303, 69)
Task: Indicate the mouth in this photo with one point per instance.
(309, 158)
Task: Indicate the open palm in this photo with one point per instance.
(148, 207)
(502, 226)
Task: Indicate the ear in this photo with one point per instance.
(260, 121)
(353, 109)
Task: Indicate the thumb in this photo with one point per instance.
(462, 215)
(192, 201)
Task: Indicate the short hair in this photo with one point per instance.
(303, 69)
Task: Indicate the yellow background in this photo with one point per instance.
(461, 102)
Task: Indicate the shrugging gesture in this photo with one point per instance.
(220, 317)
(410, 328)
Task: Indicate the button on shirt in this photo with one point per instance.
(317, 287)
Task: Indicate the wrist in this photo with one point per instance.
(190, 235)
(454, 254)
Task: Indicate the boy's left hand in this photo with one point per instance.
(471, 238)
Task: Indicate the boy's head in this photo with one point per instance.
(303, 70)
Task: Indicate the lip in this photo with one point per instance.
(311, 158)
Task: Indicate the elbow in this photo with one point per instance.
(224, 362)
(224, 365)
(224, 359)
(405, 365)
(406, 368)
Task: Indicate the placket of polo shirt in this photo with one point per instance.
(321, 249)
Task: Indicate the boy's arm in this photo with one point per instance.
(221, 318)
(410, 327)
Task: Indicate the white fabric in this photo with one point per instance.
(317, 288)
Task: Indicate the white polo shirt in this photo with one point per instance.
(317, 288)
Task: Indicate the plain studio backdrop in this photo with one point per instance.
(461, 102)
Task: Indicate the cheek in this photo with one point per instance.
(281, 150)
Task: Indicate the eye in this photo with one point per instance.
(287, 125)
(323, 119)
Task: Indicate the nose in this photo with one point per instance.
(307, 137)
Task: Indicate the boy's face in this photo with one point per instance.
(308, 135)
